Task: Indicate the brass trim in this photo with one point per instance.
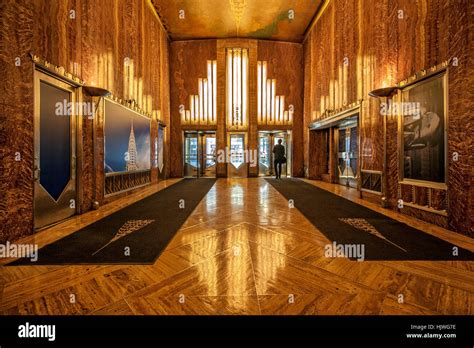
(129, 105)
(336, 115)
(424, 74)
(371, 171)
(55, 71)
(425, 184)
(371, 191)
(109, 195)
(424, 208)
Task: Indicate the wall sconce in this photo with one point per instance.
(96, 91)
(385, 93)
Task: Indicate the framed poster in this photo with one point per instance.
(423, 125)
(127, 139)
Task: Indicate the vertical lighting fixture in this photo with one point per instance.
(273, 102)
(210, 81)
(214, 91)
(196, 109)
(203, 106)
(277, 110)
(259, 92)
(270, 107)
(268, 101)
(201, 100)
(191, 104)
(205, 102)
(237, 87)
(230, 85)
(245, 60)
(264, 93)
(282, 109)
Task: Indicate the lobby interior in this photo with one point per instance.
(137, 172)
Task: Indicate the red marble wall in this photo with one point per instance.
(384, 42)
(93, 45)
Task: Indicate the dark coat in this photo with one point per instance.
(279, 152)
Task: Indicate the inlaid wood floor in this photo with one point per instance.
(242, 251)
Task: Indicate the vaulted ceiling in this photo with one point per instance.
(284, 20)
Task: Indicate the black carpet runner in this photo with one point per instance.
(347, 223)
(136, 234)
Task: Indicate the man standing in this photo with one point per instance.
(278, 158)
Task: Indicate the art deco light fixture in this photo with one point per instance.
(237, 88)
(203, 106)
(270, 107)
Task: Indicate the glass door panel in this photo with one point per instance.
(208, 146)
(264, 155)
(237, 166)
(191, 160)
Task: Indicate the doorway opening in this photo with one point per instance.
(266, 141)
(200, 154)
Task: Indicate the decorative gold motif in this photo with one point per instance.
(364, 225)
(55, 69)
(127, 228)
(424, 73)
(336, 112)
(131, 104)
(238, 8)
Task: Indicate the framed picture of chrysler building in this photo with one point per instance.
(127, 139)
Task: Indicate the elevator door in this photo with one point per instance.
(347, 142)
(55, 151)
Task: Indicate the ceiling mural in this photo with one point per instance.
(284, 20)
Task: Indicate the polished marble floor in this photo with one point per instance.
(242, 251)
